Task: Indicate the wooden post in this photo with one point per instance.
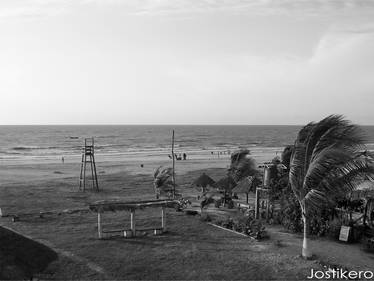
(133, 227)
(99, 225)
(172, 153)
(84, 172)
(257, 204)
(365, 213)
(163, 219)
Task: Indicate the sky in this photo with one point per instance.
(186, 61)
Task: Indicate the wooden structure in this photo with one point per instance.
(262, 202)
(88, 155)
(104, 206)
(263, 193)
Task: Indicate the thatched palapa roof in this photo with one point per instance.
(226, 183)
(244, 185)
(204, 180)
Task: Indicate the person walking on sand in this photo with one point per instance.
(62, 159)
(184, 156)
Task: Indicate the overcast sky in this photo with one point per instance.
(185, 61)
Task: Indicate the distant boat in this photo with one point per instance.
(74, 138)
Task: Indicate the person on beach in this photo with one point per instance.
(62, 159)
(184, 156)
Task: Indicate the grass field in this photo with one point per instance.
(191, 249)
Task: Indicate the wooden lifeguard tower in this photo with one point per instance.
(88, 152)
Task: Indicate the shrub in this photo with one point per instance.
(206, 218)
(290, 213)
(230, 204)
(369, 245)
(217, 203)
(334, 228)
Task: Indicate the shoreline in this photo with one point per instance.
(204, 154)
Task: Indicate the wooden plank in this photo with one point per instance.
(148, 229)
(114, 230)
(157, 231)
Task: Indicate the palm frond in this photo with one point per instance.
(327, 161)
(340, 181)
(341, 135)
(322, 164)
(242, 165)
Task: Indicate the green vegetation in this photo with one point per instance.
(326, 163)
(162, 181)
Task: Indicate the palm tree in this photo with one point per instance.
(327, 162)
(242, 165)
(163, 181)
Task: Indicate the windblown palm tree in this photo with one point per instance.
(326, 163)
(163, 181)
(242, 165)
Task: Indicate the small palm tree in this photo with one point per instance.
(163, 181)
(242, 165)
(326, 163)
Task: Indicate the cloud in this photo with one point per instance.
(33, 8)
(38, 8)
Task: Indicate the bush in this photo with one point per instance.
(290, 213)
(230, 204)
(246, 225)
(290, 217)
(217, 203)
(334, 228)
(369, 245)
(205, 217)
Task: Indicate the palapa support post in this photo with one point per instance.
(99, 229)
(133, 227)
(88, 152)
(257, 204)
(163, 219)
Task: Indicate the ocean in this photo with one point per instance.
(29, 144)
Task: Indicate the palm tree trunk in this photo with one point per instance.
(156, 191)
(306, 253)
